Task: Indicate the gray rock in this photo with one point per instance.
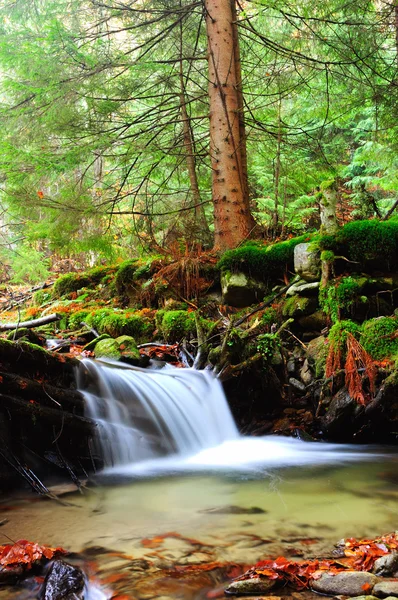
(304, 289)
(342, 410)
(347, 583)
(249, 586)
(291, 366)
(386, 565)
(296, 384)
(314, 322)
(240, 290)
(386, 588)
(364, 598)
(306, 373)
(307, 262)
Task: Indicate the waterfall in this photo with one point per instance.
(146, 413)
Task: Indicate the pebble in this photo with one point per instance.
(347, 583)
(389, 587)
(249, 586)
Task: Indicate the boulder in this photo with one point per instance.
(91, 345)
(340, 416)
(122, 347)
(386, 565)
(346, 583)
(107, 348)
(128, 346)
(249, 586)
(240, 290)
(307, 262)
(386, 588)
(314, 322)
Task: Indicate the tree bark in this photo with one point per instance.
(232, 218)
(328, 203)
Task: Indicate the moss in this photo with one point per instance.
(329, 184)
(297, 306)
(267, 345)
(72, 282)
(107, 348)
(91, 345)
(28, 335)
(76, 319)
(270, 316)
(118, 322)
(177, 324)
(128, 346)
(124, 276)
(364, 240)
(327, 256)
(339, 332)
(337, 298)
(41, 297)
(260, 261)
(380, 337)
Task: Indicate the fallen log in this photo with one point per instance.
(48, 395)
(54, 416)
(32, 323)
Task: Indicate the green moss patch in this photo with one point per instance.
(380, 337)
(260, 261)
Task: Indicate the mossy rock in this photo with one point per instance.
(77, 318)
(41, 297)
(240, 290)
(313, 322)
(263, 262)
(380, 337)
(91, 345)
(317, 352)
(299, 306)
(307, 262)
(71, 282)
(128, 346)
(116, 323)
(28, 334)
(107, 348)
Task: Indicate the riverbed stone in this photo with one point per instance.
(63, 582)
(91, 345)
(346, 583)
(128, 345)
(386, 588)
(386, 565)
(249, 586)
(108, 348)
(307, 262)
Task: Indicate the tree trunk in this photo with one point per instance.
(233, 222)
(201, 231)
(328, 203)
(277, 169)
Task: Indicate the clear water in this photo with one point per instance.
(305, 511)
(182, 524)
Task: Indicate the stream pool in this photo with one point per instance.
(175, 533)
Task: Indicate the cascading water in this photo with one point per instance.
(146, 413)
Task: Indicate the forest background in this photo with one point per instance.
(107, 149)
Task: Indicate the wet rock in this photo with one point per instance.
(347, 583)
(306, 373)
(340, 415)
(63, 582)
(250, 586)
(307, 262)
(91, 345)
(304, 289)
(10, 574)
(297, 385)
(27, 334)
(386, 588)
(108, 348)
(240, 290)
(386, 565)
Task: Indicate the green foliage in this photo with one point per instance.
(28, 265)
(380, 337)
(267, 345)
(339, 296)
(260, 261)
(41, 297)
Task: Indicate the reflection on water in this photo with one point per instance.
(185, 521)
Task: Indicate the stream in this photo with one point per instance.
(179, 525)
